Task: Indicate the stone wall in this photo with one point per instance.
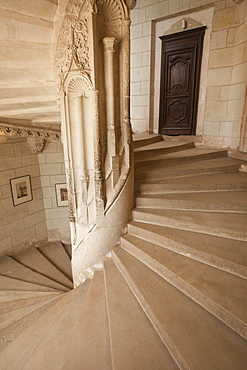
(224, 69)
(52, 172)
(25, 223)
(40, 219)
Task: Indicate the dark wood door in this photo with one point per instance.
(180, 76)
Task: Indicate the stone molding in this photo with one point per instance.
(29, 132)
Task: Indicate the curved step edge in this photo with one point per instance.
(222, 314)
(186, 250)
(155, 322)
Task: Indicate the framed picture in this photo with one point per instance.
(21, 190)
(62, 195)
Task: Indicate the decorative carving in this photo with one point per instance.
(80, 45)
(109, 43)
(22, 131)
(183, 59)
(71, 196)
(176, 89)
(73, 41)
(133, 4)
(98, 178)
(126, 60)
(109, 10)
(177, 111)
(80, 85)
(36, 144)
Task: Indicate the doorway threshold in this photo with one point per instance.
(186, 138)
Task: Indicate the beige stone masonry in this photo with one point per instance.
(19, 222)
(52, 172)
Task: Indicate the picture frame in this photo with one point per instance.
(61, 194)
(21, 190)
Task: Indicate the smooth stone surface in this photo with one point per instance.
(90, 346)
(135, 343)
(188, 325)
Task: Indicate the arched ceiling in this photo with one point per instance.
(27, 44)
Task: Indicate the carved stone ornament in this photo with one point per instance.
(110, 10)
(133, 4)
(29, 132)
(109, 43)
(80, 85)
(36, 144)
(238, 1)
(73, 41)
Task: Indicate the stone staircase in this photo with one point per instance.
(171, 295)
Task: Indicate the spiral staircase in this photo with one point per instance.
(171, 295)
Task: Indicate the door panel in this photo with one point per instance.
(180, 74)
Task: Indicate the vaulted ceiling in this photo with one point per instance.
(28, 38)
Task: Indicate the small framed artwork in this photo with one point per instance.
(62, 195)
(21, 190)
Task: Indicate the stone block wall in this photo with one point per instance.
(40, 219)
(23, 224)
(224, 76)
(227, 76)
(52, 172)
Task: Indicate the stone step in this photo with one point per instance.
(229, 225)
(56, 254)
(233, 201)
(134, 342)
(34, 260)
(194, 138)
(185, 156)
(215, 290)
(208, 166)
(11, 332)
(90, 345)
(145, 139)
(160, 148)
(9, 318)
(8, 283)
(227, 254)
(214, 182)
(68, 249)
(11, 268)
(201, 340)
(58, 338)
(12, 300)
(43, 345)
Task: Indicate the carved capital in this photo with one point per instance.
(36, 144)
(109, 43)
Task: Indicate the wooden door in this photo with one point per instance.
(180, 76)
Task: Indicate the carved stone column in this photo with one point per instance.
(109, 43)
(126, 79)
(98, 178)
